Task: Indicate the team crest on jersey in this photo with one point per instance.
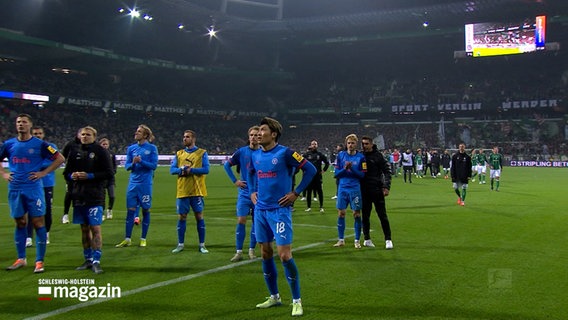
(31, 151)
(297, 156)
(91, 155)
(146, 152)
(274, 161)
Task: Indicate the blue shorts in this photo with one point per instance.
(349, 196)
(183, 205)
(274, 225)
(244, 206)
(139, 195)
(31, 201)
(89, 215)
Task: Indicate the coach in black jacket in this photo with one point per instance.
(86, 170)
(375, 186)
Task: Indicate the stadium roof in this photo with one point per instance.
(243, 26)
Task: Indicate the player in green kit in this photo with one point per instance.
(419, 164)
(474, 165)
(495, 166)
(481, 165)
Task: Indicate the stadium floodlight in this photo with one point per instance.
(135, 13)
(211, 32)
(181, 26)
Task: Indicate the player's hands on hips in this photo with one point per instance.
(288, 199)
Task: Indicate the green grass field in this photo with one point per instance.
(503, 256)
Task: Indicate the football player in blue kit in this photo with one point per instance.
(273, 196)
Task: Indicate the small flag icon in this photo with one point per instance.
(44, 291)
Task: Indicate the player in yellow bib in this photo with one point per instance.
(191, 165)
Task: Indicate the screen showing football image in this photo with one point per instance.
(505, 38)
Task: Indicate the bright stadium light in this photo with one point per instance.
(211, 32)
(135, 13)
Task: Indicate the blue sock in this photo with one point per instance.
(252, 238)
(357, 226)
(240, 235)
(182, 224)
(145, 223)
(293, 277)
(88, 254)
(41, 239)
(20, 240)
(341, 227)
(97, 253)
(201, 230)
(270, 275)
(129, 223)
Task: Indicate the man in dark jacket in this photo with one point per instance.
(435, 168)
(375, 186)
(318, 159)
(461, 173)
(72, 145)
(87, 169)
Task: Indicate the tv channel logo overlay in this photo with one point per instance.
(80, 289)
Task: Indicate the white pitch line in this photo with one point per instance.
(161, 284)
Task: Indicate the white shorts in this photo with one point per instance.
(481, 169)
(459, 185)
(494, 173)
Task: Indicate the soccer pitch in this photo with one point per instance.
(502, 256)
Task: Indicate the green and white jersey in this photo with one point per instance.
(481, 159)
(418, 159)
(495, 161)
(474, 160)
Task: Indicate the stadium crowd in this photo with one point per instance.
(526, 133)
